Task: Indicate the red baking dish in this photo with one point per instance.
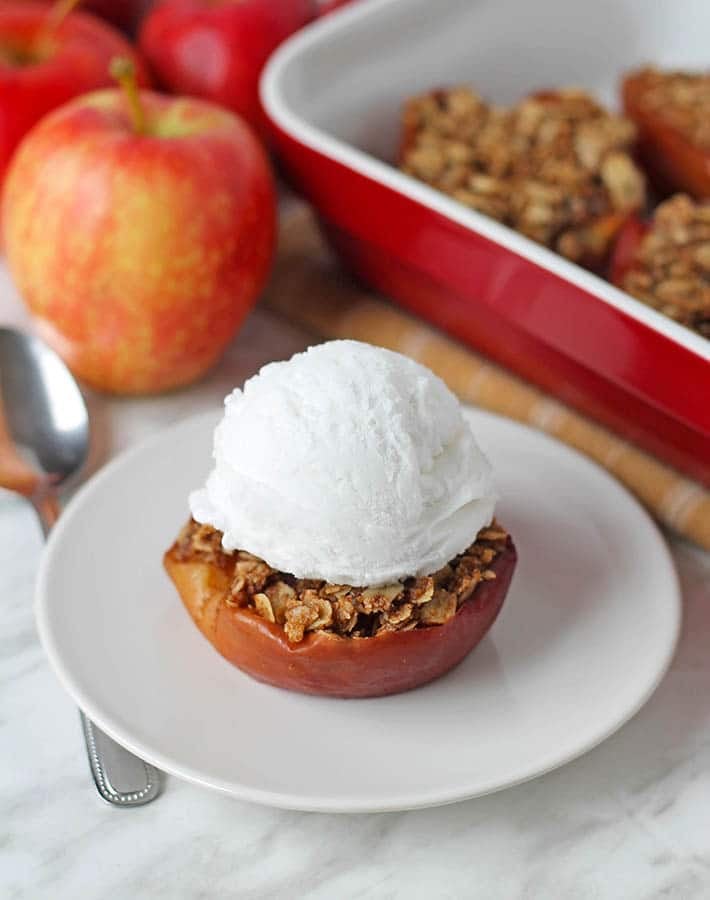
(333, 94)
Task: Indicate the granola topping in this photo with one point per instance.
(303, 605)
(671, 271)
(201, 542)
(556, 167)
(680, 99)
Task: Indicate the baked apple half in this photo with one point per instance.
(336, 640)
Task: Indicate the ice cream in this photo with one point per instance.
(347, 463)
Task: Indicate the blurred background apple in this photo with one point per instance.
(216, 49)
(126, 14)
(325, 7)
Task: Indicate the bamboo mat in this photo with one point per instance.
(307, 288)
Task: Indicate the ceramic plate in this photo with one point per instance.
(587, 631)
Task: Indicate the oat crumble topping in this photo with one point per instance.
(303, 605)
(671, 271)
(556, 166)
(680, 99)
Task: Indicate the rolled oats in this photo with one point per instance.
(421, 591)
(671, 271)
(305, 605)
(554, 167)
(322, 608)
(298, 619)
(377, 599)
(680, 100)
(262, 605)
(250, 574)
(197, 541)
(281, 595)
(439, 609)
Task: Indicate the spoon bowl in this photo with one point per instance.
(45, 415)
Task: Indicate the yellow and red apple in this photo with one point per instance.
(139, 230)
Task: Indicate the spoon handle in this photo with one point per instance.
(121, 778)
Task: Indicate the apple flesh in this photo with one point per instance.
(39, 72)
(139, 255)
(216, 49)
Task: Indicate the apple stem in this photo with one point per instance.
(58, 12)
(124, 71)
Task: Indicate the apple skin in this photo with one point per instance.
(139, 255)
(216, 49)
(125, 14)
(76, 61)
(327, 7)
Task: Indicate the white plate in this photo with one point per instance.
(587, 631)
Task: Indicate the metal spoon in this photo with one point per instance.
(44, 441)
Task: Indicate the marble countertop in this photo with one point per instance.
(628, 820)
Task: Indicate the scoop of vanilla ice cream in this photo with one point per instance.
(347, 463)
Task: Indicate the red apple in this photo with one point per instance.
(216, 49)
(126, 14)
(325, 7)
(139, 231)
(44, 63)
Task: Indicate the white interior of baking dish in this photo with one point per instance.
(338, 86)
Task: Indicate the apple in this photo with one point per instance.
(325, 7)
(125, 14)
(216, 49)
(47, 56)
(139, 229)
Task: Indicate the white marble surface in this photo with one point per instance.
(629, 820)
